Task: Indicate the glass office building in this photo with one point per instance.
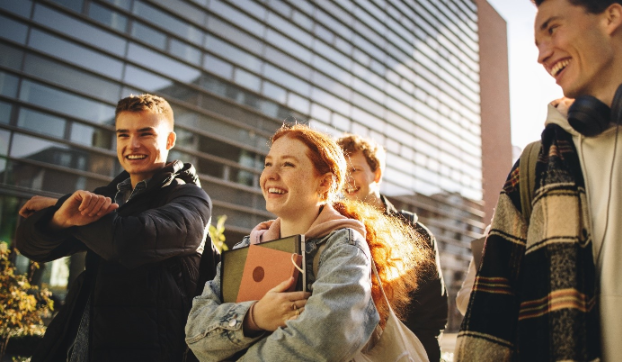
(404, 73)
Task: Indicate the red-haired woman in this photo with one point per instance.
(303, 174)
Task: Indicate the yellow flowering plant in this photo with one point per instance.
(217, 233)
(22, 305)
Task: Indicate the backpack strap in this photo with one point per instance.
(527, 172)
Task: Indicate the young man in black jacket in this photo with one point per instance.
(427, 315)
(144, 234)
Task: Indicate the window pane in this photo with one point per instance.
(108, 17)
(185, 51)
(71, 77)
(247, 80)
(78, 29)
(34, 148)
(145, 80)
(13, 30)
(91, 136)
(49, 180)
(162, 64)
(37, 149)
(149, 35)
(5, 113)
(41, 122)
(217, 66)
(235, 35)
(233, 53)
(21, 7)
(4, 142)
(287, 80)
(65, 102)
(8, 84)
(75, 54)
(237, 17)
(171, 23)
(75, 5)
(275, 92)
(124, 4)
(185, 10)
(11, 57)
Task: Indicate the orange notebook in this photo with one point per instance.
(264, 269)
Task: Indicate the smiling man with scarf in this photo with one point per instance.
(548, 286)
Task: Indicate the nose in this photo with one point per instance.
(134, 142)
(349, 179)
(544, 52)
(269, 173)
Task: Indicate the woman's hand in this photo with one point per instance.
(275, 308)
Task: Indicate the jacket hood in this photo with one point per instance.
(177, 170)
(557, 114)
(326, 222)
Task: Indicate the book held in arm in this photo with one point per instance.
(264, 269)
(233, 265)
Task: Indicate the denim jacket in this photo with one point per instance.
(338, 320)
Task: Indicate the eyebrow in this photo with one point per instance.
(121, 131)
(284, 157)
(546, 24)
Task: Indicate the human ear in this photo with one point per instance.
(170, 140)
(614, 17)
(377, 175)
(326, 182)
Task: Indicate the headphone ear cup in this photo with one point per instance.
(590, 116)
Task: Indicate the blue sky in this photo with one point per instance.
(531, 87)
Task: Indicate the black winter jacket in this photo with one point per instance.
(427, 314)
(142, 265)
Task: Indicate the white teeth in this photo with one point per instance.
(136, 157)
(351, 190)
(276, 191)
(559, 66)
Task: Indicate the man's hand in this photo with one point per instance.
(35, 204)
(82, 208)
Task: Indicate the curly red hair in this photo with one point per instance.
(400, 254)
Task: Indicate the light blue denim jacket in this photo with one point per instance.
(339, 318)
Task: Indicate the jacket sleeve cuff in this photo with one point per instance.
(233, 321)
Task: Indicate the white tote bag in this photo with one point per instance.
(397, 343)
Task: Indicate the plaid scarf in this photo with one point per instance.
(534, 298)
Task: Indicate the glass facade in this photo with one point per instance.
(405, 73)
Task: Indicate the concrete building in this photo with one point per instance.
(428, 79)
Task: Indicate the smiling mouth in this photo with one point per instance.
(136, 157)
(276, 191)
(352, 190)
(559, 66)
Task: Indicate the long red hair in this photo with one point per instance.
(400, 254)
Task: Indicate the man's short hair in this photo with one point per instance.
(146, 102)
(373, 152)
(592, 6)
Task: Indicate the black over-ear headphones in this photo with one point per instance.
(590, 116)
